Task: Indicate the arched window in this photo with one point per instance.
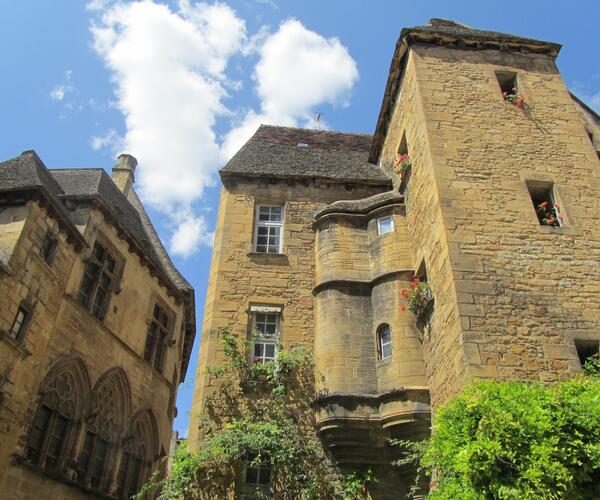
(62, 398)
(138, 455)
(384, 342)
(104, 429)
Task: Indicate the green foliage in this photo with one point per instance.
(517, 441)
(261, 411)
(592, 366)
(355, 485)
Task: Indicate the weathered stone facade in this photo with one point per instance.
(511, 296)
(84, 411)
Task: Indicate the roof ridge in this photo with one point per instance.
(366, 134)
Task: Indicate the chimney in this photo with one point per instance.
(122, 172)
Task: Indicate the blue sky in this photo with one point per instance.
(181, 85)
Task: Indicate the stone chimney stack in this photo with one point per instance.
(122, 172)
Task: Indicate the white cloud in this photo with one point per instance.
(190, 234)
(168, 68)
(59, 91)
(298, 70)
(110, 139)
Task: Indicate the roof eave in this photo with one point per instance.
(336, 180)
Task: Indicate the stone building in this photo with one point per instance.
(318, 234)
(96, 329)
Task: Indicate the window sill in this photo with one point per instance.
(14, 344)
(384, 362)
(268, 258)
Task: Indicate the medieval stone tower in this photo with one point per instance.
(317, 235)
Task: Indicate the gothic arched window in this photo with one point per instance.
(137, 457)
(62, 395)
(103, 430)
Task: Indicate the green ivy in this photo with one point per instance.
(261, 411)
(515, 440)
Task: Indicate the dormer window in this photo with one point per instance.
(302, 145)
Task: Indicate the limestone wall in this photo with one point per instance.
(62, 328)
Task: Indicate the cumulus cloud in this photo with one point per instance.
(190, 234)
(298, 70)
(110, 139)
(169, 71)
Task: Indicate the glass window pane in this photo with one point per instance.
(270, 351)
(385, 335)
(386, 351)
(385, 225)
(263, 230)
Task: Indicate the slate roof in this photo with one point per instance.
(275, 152)
(453, 28)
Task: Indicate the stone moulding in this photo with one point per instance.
(369, 284)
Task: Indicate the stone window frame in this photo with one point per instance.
(48, 247)
(268, 224)
(251, 488)
(166, 330)
(65, 393)
(544, 190)
(586, 348)
(262, 339)
(21, 323)
(114, 276)
(506, 81)
(381, 345)
(392, 225)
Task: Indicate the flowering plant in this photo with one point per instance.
(418, 295)
(548, 216)
(515, 97)
(402, 163)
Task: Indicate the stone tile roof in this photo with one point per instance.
(285, 152)
(362, 206)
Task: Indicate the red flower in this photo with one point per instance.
(257, 359)
(555, 205)
(403, 308)
(404, 292)
(543, 204)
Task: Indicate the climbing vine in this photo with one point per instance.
(259, 413)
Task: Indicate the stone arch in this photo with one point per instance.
(63, 397)
(106, 425)
(110, 406)
(140, 451)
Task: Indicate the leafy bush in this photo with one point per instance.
(516, 440)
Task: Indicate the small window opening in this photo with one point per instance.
(302, 145)
(586, 349)
(258, 472)
(403, 161)
(509, 87)
(48, 248)
(385, 225)
(266, 333)
(590, 136)
(384, 342)
(20, 324)
(544, 203)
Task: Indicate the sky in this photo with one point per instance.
(181, 85)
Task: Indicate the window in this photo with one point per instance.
(544, 203)
(265, 333)
(20, 324)
(586, 349)
(257, 472)
(158, 335)
(509, 87)
(385, 225)
(52, 423)
(269, 229)
(48, 248)
(98, 281)
(384, 342)
(104, 429)
(134, 462)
